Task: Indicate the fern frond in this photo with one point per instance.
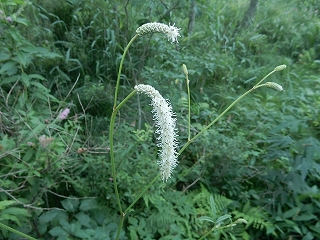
(254, 216)
(201, 201)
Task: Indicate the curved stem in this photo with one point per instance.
(120, 69)
(141, 193)
(217, 118)
(264, 78)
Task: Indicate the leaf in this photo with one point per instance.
(88, 204)
(213, 208)
(290, 213)
(222, 218)
(20, 212)
(47, 216)
(206, 218)
(36, 76)
(70, 205)
(22, 57)
(8, 67)
(10, 217)
(5, 203)
(22, 21)
(25, 79)
(308, 236)
(14, 34)
(58, 231)
(9, 79)
(305, 217)
(83, 219)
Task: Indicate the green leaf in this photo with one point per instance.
(88, 204)
(14, 34)
(305, 217)
(12, 218)
(308, 236)
(9, 80)
(47, 216)
(36, 173)
(44, 53)
(58, 232)
(16, 211)
(213, 208)
(71, 205)
(36, 76)
(206, 218)
(4, 56)
(22, 21)
(25, 79)
(84, 219)
(222, 218)
(9, 67)
(290, 213)
(5, 203)
(22, 57)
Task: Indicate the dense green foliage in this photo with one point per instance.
(261, 162)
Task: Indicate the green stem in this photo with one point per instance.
(120, 69)
(140, 195)
(189, 109)
(264, 78)
(113, 165)
(217, 118)
(17, 232)
(120, 226)
(213, 229)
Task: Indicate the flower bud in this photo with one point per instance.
(185, 70)
(280, 68)
(274, 85)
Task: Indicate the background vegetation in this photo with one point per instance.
(260, 163)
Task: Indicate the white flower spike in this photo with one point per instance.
(170, 31)
(166, 129)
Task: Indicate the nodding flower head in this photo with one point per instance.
(166, 129)
(280, 68)
(170, 31)
(274, 85)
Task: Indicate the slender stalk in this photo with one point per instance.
(120, 69)
(214, 229)
(225, 111)
(185, 70)
(111, 133)
(120, 226)
(215, 120)
(265, 77)
(16, 232)
(141, 193)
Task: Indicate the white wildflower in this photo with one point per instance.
(170, 31)
(166, 130)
